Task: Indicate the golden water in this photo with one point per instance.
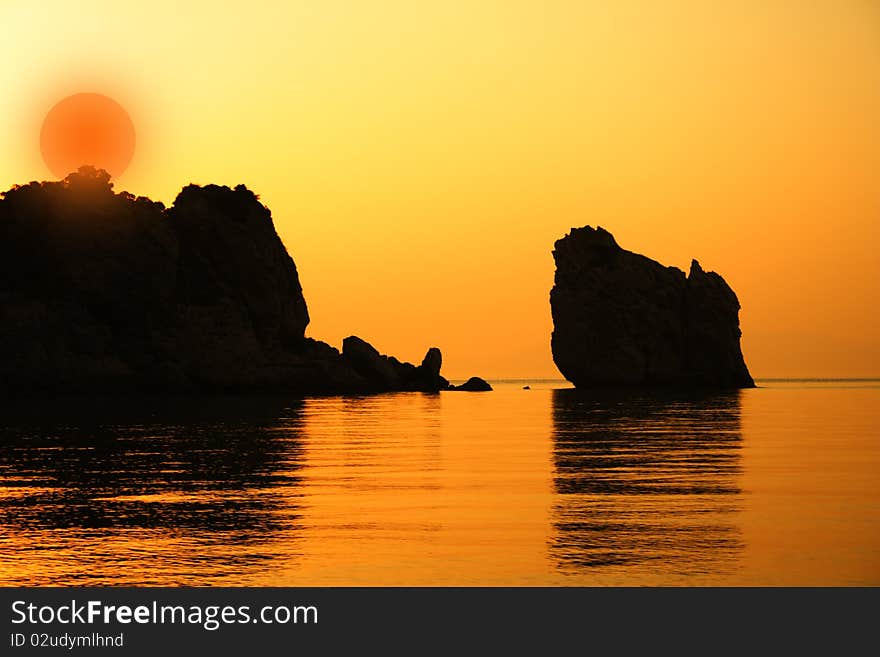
(548, 486)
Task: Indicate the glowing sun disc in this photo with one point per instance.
(87, 129)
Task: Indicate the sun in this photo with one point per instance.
(87, 129)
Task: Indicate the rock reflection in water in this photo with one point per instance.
(646, 478)
(190, 477)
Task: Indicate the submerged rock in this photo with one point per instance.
(620, 318)
(108, 292)
(473, 384)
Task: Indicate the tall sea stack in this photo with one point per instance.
(622, 319)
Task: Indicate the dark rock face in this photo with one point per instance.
(432, 362)
(388, 373)
(473, 384)
(623, 319)
(108, 292)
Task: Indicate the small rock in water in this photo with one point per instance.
(473, 384)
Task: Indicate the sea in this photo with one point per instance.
(533, 484)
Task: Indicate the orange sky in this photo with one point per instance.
(420, 159)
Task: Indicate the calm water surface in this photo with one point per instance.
(778, 485)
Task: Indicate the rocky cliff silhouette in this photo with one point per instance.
(622, 319)
(107, 292)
